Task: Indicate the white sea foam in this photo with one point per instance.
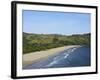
(66, 56)
(52, 63)
(58, 58)
(55, 61)
(71, 50)
(74, 49)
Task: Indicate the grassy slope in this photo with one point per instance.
(38, 42)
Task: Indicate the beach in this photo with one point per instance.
(33, 57)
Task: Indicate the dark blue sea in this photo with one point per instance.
(74, 57)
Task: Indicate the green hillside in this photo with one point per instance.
(38, 42)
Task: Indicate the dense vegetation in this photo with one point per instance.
(37, 42)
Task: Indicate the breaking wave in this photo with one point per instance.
(63, 56)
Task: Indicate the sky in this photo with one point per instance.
(65, 23)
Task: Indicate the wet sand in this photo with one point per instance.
(33, 57)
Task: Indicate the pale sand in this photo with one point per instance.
(30, 58)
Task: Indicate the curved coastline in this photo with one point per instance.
(33, 57)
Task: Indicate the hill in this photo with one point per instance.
(37, 42)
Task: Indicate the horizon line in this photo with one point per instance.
(58, 33)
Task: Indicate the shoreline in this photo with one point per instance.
(33, 57)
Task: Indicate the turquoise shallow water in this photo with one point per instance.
(74, 57)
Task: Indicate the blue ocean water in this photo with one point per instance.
(74, 57)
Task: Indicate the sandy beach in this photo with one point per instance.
(32, 57)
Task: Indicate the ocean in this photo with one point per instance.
(74, 57)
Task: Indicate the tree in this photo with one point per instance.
(55, 39)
